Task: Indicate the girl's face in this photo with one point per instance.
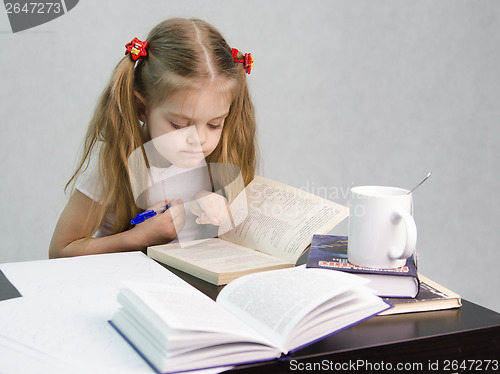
(187, 126)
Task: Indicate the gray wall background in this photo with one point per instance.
(346, 93)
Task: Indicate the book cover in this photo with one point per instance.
(330, 252)
(431, 296)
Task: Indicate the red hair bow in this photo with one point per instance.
(136, 48)
(247, 60)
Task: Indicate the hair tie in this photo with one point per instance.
(247, 60)
(136, 48)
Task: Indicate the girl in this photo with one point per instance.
(175, 100)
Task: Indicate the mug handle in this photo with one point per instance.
(411, 235)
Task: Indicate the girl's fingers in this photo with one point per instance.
(176, 209)
(204, 219)
(158, 206)
(210, 209)
(213, 220)
(177, 214)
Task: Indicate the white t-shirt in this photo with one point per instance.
(88, 183)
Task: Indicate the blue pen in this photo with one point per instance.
(141, 217)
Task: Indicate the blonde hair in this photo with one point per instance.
(182, 53)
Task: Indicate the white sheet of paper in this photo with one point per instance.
(61, 322)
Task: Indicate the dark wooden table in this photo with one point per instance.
(446, 341)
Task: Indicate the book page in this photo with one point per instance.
(178, 329)
(274, 302)
(171, 308)
(215, 255)
(280, 220)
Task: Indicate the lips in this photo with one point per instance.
(193, 152)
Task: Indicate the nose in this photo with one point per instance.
(196, 135)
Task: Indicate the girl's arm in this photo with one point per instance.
(71, 235)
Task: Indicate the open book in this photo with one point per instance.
(272, 225)
(257, 317)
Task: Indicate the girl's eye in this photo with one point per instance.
(176, 126)
(213, 126)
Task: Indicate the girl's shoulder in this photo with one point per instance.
(88, 181)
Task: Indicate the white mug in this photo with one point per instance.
(382, 231)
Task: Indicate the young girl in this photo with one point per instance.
(175, 101)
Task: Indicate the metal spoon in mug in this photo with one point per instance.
(423, 180)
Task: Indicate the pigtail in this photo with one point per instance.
(122, 136)
(114, 132)
(238, 142)
(248, 152)
(237, 146)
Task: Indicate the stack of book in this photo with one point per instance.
(403, 287)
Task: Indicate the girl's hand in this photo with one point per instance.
(163, 227)
(210, 208)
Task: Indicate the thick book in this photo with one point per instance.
(257, 317)
(431, 296)
(330, 252)
(271, 227)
